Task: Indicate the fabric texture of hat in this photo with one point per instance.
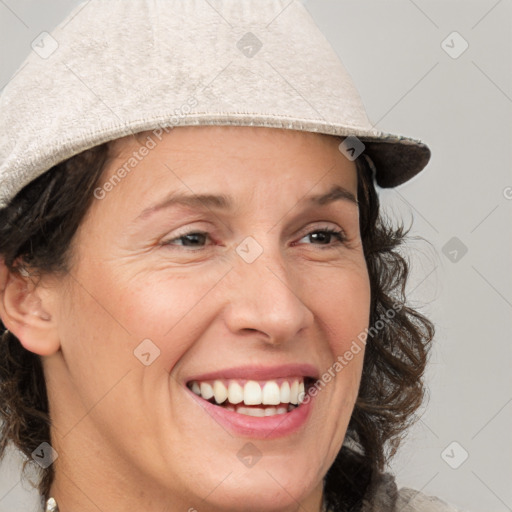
(117, 67)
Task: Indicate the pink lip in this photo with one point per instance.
(267, 427)
(260, 372)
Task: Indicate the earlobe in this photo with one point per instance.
(25, 313)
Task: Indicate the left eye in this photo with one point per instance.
(198, 238)
(325, 235)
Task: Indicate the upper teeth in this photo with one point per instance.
(251, 392)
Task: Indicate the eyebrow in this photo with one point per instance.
(224, 202)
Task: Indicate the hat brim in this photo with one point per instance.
(397, 159)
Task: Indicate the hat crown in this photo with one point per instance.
(117, 67)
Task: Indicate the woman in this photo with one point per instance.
(203, 308)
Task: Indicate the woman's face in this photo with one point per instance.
(246, 284)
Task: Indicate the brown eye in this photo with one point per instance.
(324, 236)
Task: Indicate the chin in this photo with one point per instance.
(267, 485)
(263, 495)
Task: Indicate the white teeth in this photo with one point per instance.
(302, 392)
(220, 391)
(291, 392)
(235, 393)
(285, 392)
(195, 388)
(271, 393)
(252, 411)
(252, 393)
(294, 390)
(206, 390)
(260, 412)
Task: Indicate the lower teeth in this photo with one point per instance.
(259, 411)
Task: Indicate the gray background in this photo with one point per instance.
(462, 107)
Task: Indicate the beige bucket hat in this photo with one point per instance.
(117, 67)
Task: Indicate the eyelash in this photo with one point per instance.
(338, 233)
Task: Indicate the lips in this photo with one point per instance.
(260, 372)
(257, 421)
(244, 390)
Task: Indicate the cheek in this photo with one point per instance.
(343, 306)
(342, 311)
(115, 308)
(96, 343)
(169, 307)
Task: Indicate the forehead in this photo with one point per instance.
(272, 162)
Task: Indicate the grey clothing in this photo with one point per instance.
(384, 496)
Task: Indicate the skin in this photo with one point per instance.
(128, 436)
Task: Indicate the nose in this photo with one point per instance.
(266, 296)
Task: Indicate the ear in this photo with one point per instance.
(25, 311)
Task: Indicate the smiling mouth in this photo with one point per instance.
(252, 397)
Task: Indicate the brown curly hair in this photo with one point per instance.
(36, 229)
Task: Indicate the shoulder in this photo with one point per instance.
(411, 500)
